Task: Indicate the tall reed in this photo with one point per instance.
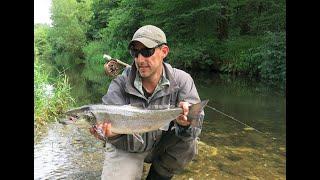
(51, 95)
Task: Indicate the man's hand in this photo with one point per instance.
(105, 128)
(182, 119)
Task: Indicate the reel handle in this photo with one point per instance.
(113, 66)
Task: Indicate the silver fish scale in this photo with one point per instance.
(128, 119)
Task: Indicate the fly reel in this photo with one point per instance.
(112, 67)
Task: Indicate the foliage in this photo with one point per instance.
(234, 55)
(200, 55)
(253, 17)
(273, 55)
(93, 72)
(262, 57)
(51, 95)
(42, 46)
(69, 19)
(100, 18)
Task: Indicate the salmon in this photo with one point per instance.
(127, 119)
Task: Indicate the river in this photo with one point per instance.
(228, 149)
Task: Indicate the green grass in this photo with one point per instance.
(51, 95)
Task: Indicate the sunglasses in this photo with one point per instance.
(146, 52)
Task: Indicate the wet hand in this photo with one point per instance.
(183, 119)
(105, 128)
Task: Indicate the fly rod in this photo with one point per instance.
(233, 118)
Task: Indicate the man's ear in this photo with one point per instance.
(165, 50)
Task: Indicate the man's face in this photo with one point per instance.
(150, 66)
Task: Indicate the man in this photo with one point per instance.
(151, 83)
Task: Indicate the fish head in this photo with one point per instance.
(78, 111)
(81, 112)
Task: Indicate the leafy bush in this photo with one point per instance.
(197, 55)
(262, 57)
(273, 55)
(237, 52)
(267, 60)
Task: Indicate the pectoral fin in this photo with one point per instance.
(138, 137)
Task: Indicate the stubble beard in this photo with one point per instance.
(145, 73)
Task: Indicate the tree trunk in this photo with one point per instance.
(223, 22)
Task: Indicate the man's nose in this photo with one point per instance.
(141, 58)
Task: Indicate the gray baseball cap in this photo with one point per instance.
(149, 35)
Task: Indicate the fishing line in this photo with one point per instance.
(233, 118)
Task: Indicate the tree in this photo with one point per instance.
(41, 44)
(69, 21)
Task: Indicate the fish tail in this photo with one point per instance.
(195, 111)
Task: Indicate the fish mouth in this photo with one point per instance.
(73, 117)
(68, 120)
